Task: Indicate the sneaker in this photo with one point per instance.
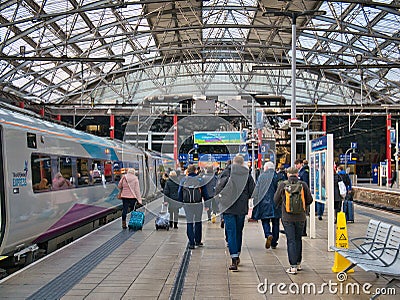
(238, 261)
(199, 244)
(291, 270)
(222, 224)
(191, 247)
(274, 247)
(299, 268)
(320, 218)
(268, 242)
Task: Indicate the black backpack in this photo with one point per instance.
(191, 189)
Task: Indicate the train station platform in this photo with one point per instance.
(111, 263)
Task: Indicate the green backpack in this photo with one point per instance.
(295, 199)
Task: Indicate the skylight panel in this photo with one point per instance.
(57, 6)
(223, 15)
(22, 13)
(388, 25)
(22, 80)
(393, 75)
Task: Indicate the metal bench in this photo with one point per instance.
(383, 261)
(366, 242)
(365, 250)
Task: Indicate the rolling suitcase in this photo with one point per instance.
(348, 209)
(137, 219)
(162, 220)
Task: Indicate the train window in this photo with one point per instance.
(65, 166)
(82, 167)
(97, 171)
(31, 140)
(41, 172)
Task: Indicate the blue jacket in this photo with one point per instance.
(304, 175)
(346, 179)
(264, 197)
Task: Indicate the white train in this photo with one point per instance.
(36, 216)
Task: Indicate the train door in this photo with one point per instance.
(2, 190)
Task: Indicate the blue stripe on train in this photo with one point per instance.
(100, 152)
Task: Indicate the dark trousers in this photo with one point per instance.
(193, 222)
(338, 207)
(275, 229)
(212, 206)
(293, 232)
(173, 213)
(234, 232)
(126, 204)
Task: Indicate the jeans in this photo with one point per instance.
(126, 204)
(320, 207)
(293, 232)
(234, 232)
(193, 222)
(275, 229)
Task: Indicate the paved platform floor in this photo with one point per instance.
(145, 266)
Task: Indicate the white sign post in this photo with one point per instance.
(321, 183)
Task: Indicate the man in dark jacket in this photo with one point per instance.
(191, 192)
(264, 206)
(233, 194)
(171, 198)
(293, 222)
(210, 181)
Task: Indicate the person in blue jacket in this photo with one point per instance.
(264, 208)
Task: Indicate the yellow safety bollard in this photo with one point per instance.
(342, 241)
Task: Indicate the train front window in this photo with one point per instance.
(41, 172)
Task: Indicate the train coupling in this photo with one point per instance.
(25, 252)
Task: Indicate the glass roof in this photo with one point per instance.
(118, 51)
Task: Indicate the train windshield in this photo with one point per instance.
(2, 190)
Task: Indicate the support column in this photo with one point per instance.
(112, 124)
(21, 104)
(324, 123)
(41, 112)
(58, 118)
(149, 140)
(388, 148)
(260, 156)
(176, 140)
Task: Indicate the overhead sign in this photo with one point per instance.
(319, 143)
(264, 148)
(217, 138)
(243, 149)
(353, 145)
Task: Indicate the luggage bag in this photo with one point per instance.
(162, 220)
(348, 209)
(137, 219)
